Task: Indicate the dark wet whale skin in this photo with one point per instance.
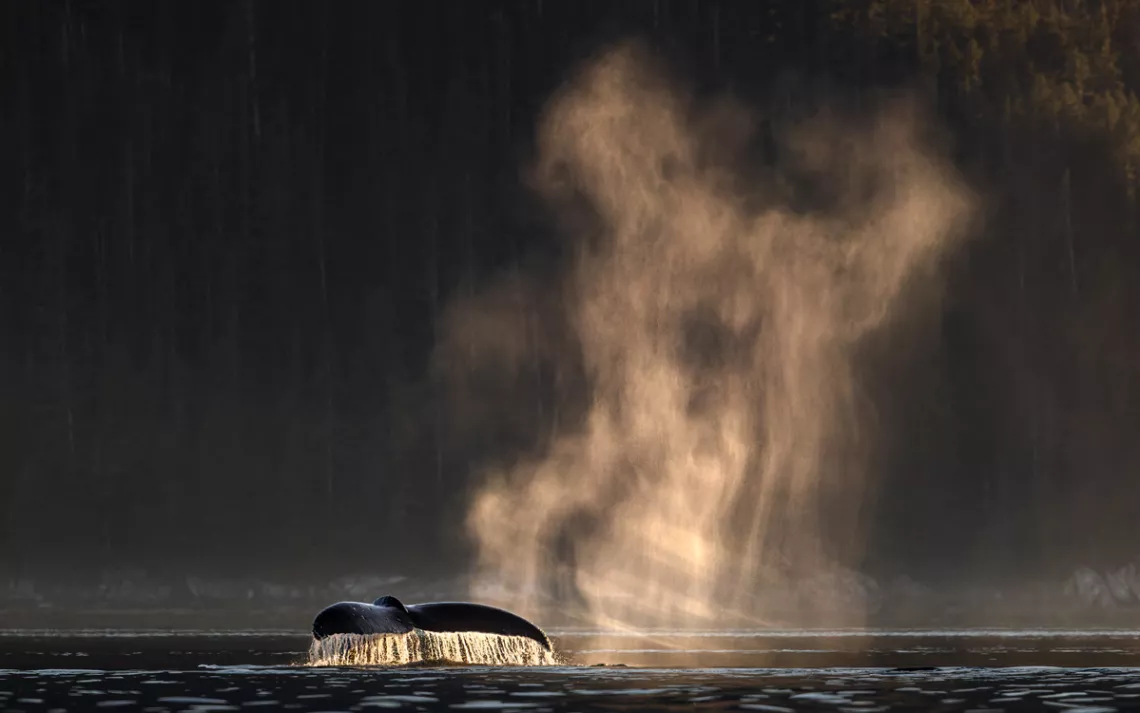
(388, 615)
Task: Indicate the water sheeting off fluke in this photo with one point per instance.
(419, 646)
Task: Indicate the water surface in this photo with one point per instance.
(770, 671)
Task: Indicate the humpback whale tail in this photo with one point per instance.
(388, 615)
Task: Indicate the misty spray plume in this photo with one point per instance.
(715, 324)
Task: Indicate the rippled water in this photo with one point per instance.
(773, 671)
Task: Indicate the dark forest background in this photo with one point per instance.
(228, 232)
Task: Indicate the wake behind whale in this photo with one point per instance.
(388, 633)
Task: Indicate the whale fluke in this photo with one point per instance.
(388, 615)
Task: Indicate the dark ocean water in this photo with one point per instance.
(770, 671)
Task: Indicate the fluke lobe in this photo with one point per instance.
(388, 615)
